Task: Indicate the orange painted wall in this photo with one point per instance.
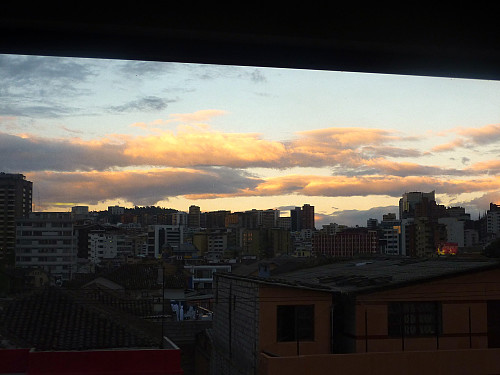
(458, 296)
(443, 362)
(271, 297)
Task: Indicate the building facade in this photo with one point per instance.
(347, 243)
(46, 240)
(340, 313)
(15, 203)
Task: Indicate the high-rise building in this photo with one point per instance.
(372, 224)
(46, 240)
(390, 235)
(162, 236)
(493, 221)
(194, 216)
(307, 217)
(413, 201)
(295, 216)
(15, 203)
(269, 218)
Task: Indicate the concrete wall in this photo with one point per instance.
(442, 362)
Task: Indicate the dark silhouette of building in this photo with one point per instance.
(307, 217)
(194, 216)
(295, 215)
(15, 203)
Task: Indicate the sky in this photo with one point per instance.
(113, 132)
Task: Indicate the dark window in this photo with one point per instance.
(493, 316)
(295, 322)
(414, 318)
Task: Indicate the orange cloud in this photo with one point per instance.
(198, 116)
(356, 186)
(194, 146)
(483, 135)
(450, 146)
(142, 187)
(345, 137)
(486, 167)
(348, 150)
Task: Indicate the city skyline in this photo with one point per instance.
(110, 132)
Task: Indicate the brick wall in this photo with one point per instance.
(235, 326)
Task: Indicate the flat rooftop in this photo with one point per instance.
(369, 274)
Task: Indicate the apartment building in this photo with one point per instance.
(160, 236)
(15, 203)
(102, 246)
(493, 221)
(346, 243)
(45, 240)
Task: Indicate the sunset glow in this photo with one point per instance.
(105, 132)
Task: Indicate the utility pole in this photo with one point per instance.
(162, 346)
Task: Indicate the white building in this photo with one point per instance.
(391, 236)
(471, 237)
(116, 210)
(216, 244)
(160, 236)
(46, 240)
(493, 222)
(454, 230)
(102, 246)
(405, 223)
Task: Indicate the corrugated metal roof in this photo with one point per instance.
(363, 275)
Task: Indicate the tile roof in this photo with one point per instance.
(53, 319)
(137, 276)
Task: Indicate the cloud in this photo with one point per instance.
(40, 86)
(31, 153)
(198, 116)
(257, 76)
(481, 136)
(146, 104)
(395, 152)
(342, 186)
(141, 69)
(199, 145)
(346, 137)
(491, 167)
(450, 146)
(483, 202)
(470, 137)
(141, 187)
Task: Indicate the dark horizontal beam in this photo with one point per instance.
(370, 45)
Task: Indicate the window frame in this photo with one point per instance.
(414, 319)
(295, 323)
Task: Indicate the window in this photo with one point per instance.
(414, 318)
(295, 322)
